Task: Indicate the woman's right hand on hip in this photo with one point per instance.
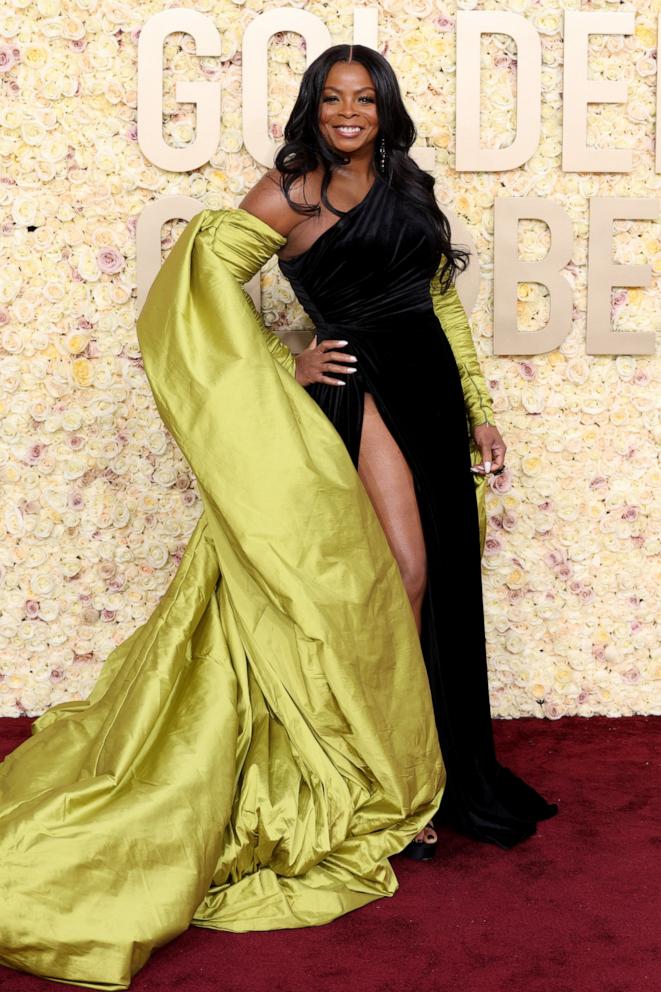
(317, 360)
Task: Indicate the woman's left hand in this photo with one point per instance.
(492, 448)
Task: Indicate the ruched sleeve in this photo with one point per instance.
(232, 238)
(449, 310)
(479, 410)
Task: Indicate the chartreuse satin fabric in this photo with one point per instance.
(479, 409)
(253, 754)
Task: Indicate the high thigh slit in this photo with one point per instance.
(366, 280)
(388, 479)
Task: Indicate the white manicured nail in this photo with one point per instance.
(487, 466)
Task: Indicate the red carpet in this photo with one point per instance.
(576, 908)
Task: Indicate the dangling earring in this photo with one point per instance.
(382, 151)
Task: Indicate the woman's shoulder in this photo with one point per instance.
(267, 201)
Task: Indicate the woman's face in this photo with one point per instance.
(348, 118)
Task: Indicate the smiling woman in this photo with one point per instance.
(369, 255)
(348, 117)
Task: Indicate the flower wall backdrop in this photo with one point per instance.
(98, 502)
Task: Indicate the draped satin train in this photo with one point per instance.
(253, 754)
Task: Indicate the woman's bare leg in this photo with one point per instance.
(387, 478)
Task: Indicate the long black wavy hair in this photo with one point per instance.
(305, 148)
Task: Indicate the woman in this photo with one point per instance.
(253, 754)
(365, 277)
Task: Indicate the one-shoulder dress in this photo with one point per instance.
(366, 280)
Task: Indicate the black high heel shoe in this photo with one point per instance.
(421, 850)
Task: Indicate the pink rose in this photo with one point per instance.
(618, 300)
(492, 546)
(110, 260)
(501, 483)
(551, 710)
(553, 558)
(527, 370)
(504, 61)
(7, 58)
(31, 608)
(34, 453)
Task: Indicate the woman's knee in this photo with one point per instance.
(413, 569)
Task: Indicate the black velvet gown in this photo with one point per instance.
(366, 280)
